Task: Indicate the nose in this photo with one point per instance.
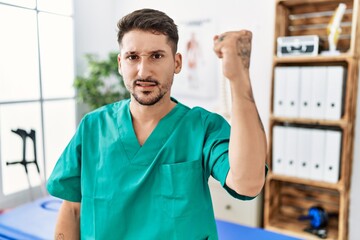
(144, 69)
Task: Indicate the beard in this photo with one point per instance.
(149, 98)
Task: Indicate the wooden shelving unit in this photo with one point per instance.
(286, 198)
(340, 123)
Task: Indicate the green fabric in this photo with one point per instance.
(155, 191)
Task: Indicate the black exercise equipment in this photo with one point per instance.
(32, 135)
(24, 135)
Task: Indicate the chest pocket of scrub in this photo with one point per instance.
(183, 188)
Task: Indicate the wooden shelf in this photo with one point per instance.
(311, 17)
(293, 199)
(292, 3)
(335, 186)
(291, 226)
(288, 197)
(314, 122)
(344, 57)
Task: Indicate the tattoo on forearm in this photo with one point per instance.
(60, 236)
(243, 46)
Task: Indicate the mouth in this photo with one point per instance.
(146, 83)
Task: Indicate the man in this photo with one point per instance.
(139, 167)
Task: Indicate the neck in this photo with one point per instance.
(145, 118)
(153, 113)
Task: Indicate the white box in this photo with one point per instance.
(334, 92)
(304, 152)
(306, 82)
(298, 45)
(318, 92)
(292, 92)
(279, 91)
(278, 150)
(317, 154)
(332, 156)
(291, 154)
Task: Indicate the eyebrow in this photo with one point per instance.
(149, 53)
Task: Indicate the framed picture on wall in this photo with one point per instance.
(199, 75)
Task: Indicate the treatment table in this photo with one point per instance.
(36, 221)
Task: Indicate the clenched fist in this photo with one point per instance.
(234, 48)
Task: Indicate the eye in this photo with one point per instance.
(132, 57)
(157, 55)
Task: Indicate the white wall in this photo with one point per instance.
(229, 15)
(354, 215)
(95, 31)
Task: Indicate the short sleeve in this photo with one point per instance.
(215, 151)
(65, 179)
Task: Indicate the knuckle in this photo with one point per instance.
(245, 32)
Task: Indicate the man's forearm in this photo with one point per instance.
(68, 223)
(248, 147)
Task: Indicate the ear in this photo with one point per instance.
(178, 63)
(119, 63)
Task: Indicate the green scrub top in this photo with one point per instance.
(155, 191)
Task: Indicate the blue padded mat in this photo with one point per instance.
(232, 231)
(32, 221)
(36, 221)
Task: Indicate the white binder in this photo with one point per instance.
(304, 152)
(292, 92)
(279, 91)
(332, 156)
(334, 95)
(291, 151)
(306, 81)
(278, 150)
(318, 92)
(317, 154)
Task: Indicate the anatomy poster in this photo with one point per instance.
(199, 74)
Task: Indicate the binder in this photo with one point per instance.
(306, 81)
(332, 156)
(304, 152)
(278, 150)
(279, 91)
(291, 151)
(317, 154)
(318, 92)
(334, 92)
(292, 92)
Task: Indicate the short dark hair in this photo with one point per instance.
(149, 20)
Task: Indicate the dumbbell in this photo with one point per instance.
(318, 217)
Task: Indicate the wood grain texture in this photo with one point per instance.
(288, 197)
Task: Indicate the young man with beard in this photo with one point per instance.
(139, 168)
